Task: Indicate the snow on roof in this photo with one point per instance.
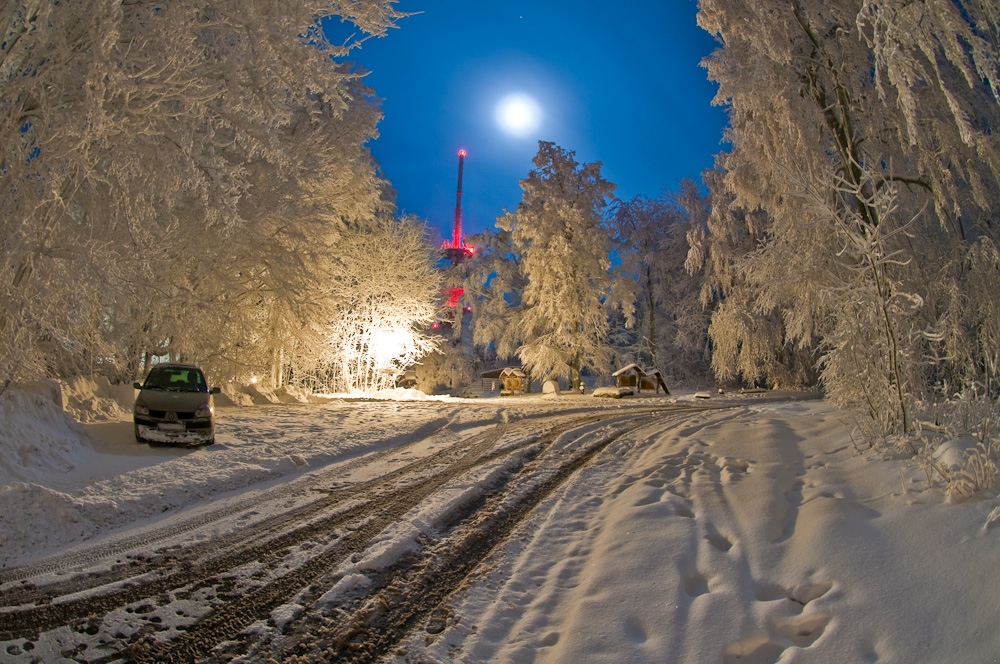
(638, 369)
(496, 373)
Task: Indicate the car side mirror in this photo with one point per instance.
(137, 386)
(215, 390)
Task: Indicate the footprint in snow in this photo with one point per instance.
(719, 541)
(795, 630)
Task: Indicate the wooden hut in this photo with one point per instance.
(635, 377)
(491, 380)
(509, 380)
(514, 381)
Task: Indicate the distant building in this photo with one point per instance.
(408, 380)
(634, 376)
(509, 381)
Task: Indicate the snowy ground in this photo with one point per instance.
(755, 534)
(752, 536)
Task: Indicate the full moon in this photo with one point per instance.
(518, 114)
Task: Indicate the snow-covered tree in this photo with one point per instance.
(494, 290)
(565, 243)
(141, 145)
(270, 289)
(749, 340)
(671, 333)
(866, 131)
(385, 294)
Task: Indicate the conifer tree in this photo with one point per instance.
(565, 243)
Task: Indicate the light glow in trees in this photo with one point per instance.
(150, 154)
(385, 293)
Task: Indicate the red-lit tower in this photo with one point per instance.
(456, 250)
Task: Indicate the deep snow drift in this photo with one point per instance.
(752, 535)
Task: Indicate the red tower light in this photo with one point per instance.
(455, 249)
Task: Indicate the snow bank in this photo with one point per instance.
(261, 395)
(233, 395)
(392, 394)
(37, 439)
(96, 399)
(62, 481)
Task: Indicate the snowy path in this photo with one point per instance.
(751, 536)
(511, 531)
(175, 588)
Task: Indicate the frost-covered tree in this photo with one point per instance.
(271, 287)
(141, 145)
(866, 130)
(671, 333)
(565, 243)
(749, 340)
(385, 294)
(494, 290)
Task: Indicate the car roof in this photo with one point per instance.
(174, 365)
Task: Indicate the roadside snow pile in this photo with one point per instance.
(64, 482)
(233, 395)
(291, 395)
(259, 395)
(95, 399)
(262, 395)
(37, 439)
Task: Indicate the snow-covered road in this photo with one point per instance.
(522, 530)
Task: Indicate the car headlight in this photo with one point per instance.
(204, 410)
(140, 407)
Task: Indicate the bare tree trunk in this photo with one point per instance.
(652, 318)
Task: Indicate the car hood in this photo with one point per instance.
(174, 401)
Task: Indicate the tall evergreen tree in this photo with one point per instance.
(560, 231)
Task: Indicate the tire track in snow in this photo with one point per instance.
(172, 568)
(347, 517)
(415, 591)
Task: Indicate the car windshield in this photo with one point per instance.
(176, 379)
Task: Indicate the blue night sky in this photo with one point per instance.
(620, 84)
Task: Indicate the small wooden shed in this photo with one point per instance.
(491, 380)
(513, 380)
(634, 376)
(509, 380)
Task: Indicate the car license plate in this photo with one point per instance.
(170, 426)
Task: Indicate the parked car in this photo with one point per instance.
(174, 405)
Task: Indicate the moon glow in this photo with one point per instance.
(518, 114)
